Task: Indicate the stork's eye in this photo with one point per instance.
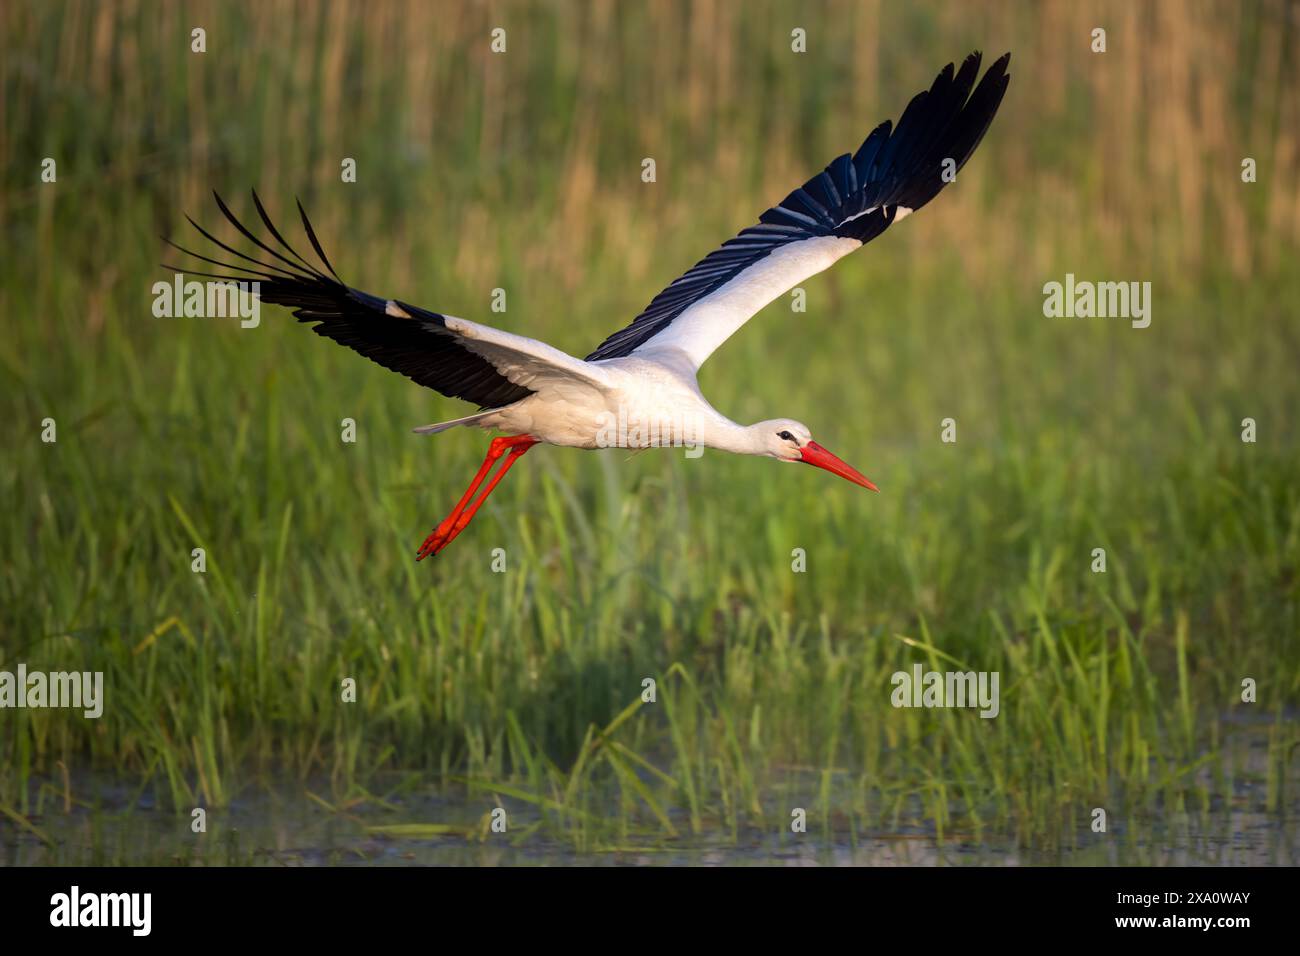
(785, 436)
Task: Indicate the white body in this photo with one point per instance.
(650, 398)
(645, 402)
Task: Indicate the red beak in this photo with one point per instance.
(815, 454)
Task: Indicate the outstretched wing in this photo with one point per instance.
(841, 209)
(456, 357)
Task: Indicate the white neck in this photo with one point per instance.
(725, 435)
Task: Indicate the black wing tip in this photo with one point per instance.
(975, 57)
(300, 270)
(973, 60)
(896, 163)
(315, 243)
(997, 71)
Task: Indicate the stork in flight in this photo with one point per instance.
(645, 372)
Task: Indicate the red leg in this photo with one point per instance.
(455, 522)
(495, 451)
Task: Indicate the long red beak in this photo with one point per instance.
(815, 454)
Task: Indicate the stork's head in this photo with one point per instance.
(788, 440)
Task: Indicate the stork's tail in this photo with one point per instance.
(443, 426)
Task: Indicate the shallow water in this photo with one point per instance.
(112, 822)
(286, 827)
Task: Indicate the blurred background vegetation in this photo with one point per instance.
(522, 171)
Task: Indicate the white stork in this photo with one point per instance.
(646, 372)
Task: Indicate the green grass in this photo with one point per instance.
(1119, 690)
